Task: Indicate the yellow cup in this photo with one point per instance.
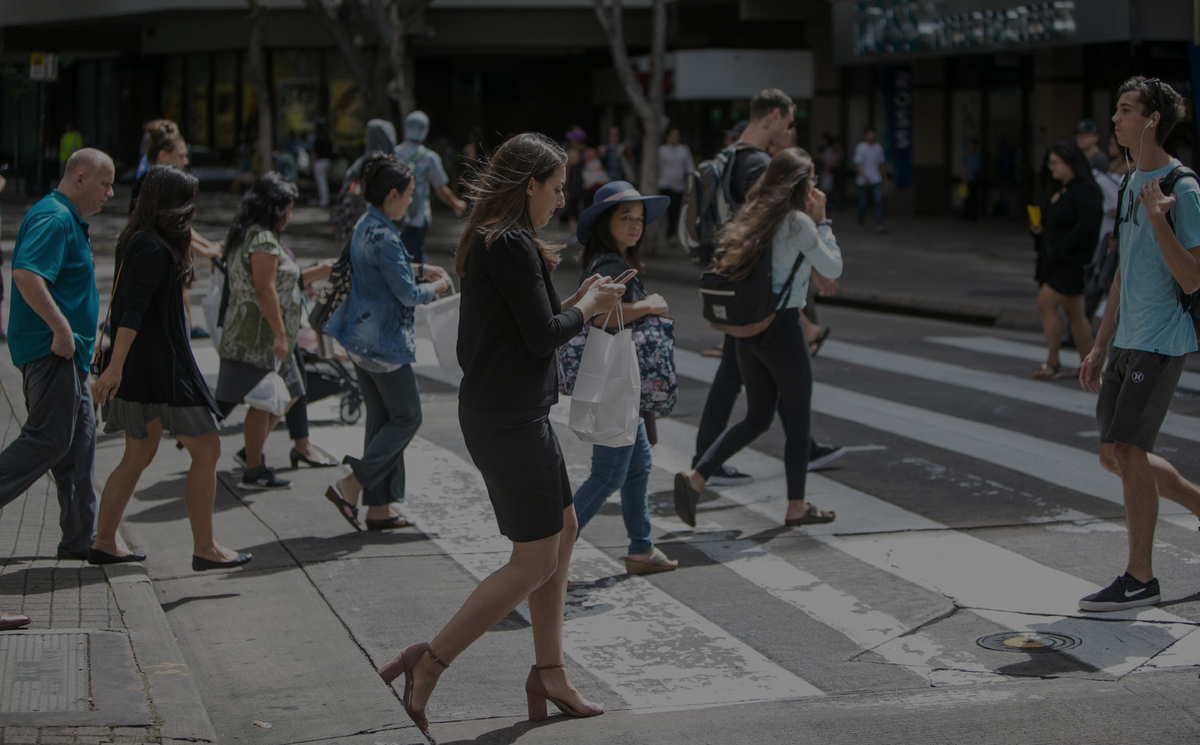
(1035, 215)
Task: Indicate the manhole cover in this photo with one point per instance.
(1026, 641)
(48, 672)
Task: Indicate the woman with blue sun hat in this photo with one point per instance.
(611, 232)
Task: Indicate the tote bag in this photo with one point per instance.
(604, 405)
(442, 317)
(654, 340)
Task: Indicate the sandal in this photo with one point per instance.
(1046, 371)
(347, 510)
(815, 345)
(656, 562)
(814, 516)
(395, 521)
(1068, 373)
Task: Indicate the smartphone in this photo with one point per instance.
(625, 277)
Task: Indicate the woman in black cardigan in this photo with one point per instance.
(511, 325)
(152, 383)
(1065, 242)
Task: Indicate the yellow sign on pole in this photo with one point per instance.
(43, 67)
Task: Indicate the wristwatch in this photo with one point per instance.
(826, 221)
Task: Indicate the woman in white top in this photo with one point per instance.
(674, 163)
(783, 218)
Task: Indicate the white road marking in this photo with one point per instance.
(1032, 352)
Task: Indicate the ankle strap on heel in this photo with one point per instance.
(433, 656)
(550, 667)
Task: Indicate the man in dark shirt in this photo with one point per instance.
(772, 120)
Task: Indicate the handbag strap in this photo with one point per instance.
(98, 355)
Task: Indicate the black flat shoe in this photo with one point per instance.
(72, 555)
(297, 458)
(97, 557)
(200, 564)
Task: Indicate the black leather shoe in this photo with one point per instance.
(72, 555)
(200, 564)
(324, 462)
(98, 557)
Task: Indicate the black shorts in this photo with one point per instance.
(1135, 393)
(522, 464)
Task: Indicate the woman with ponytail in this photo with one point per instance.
(376, 326)
(152, 383)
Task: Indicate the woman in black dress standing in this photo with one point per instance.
(1065, 242)
(511, 325)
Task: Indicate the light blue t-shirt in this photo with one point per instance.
(429, 174)
(1152, 318)
(53, 244)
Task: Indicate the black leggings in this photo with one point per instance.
(777, 372)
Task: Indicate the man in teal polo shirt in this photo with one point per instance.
(51, 333)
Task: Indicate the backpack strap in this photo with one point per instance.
(1116, 231)
(727, 175)
(786, 293)
(1177, 174)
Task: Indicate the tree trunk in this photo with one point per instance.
(363, 66)
(257, 70)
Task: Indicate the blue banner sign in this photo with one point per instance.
(896, 26)
(896, 85)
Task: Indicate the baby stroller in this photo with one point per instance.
(327, 376)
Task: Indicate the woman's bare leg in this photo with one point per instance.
(1081, 329)
(255, 429)
(200, 494)
(120, 486)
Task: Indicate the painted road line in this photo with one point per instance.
(655, 652)
(1032, 352)
(1030, 391)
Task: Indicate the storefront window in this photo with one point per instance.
(199, 80)
(224, 101)
(297, 86)
(172, 89)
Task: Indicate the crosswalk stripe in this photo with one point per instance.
(1030, 391)
(1032, 352)
(671, 658)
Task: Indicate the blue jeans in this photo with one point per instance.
(628, 469)
(414, 242)
(875, 192)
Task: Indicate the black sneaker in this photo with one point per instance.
(820, 455)
(1124, 592)
(263, 478)
(240, 458)
(729, 476)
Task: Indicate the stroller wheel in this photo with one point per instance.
(350, 409)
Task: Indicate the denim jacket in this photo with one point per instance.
(376, 319)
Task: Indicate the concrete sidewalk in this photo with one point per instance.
(99, 663)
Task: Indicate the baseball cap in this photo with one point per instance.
(736, 130)
(1086, 126)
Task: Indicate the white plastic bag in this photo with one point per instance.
(212, 304)
(604, 404)
(442, 317)
(271, 394)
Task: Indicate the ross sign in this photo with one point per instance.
(895, 83)
(43, 67)
(907, 26)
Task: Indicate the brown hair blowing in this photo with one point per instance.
(165, 206)
(779, 192)
(498, 198)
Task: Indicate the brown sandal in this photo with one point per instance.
(1046, 371)
(814, 516)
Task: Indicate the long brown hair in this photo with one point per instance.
(780, 191)
(498, 199)
(165, 206)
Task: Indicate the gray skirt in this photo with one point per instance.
(236, 379)
(131, 418)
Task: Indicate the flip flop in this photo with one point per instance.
(1046, 372)
(815, 345)
(686, 499)
(814, 516)
(347, 510)
(657, 562)
(395, 521)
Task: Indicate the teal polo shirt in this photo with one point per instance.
(53, 244)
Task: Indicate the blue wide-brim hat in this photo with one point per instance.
(612, 194)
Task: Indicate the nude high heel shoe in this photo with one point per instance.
(404, 663)
(535, 693)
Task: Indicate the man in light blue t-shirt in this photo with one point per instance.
(51, 332)
(430, 178)
(1149, 330)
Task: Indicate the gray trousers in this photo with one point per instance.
(60, 437)
(393, 406)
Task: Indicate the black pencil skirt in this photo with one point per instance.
(522, 464)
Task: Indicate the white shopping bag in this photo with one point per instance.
(271, 394)
(604, 404)
(442, 317)
(212, 304)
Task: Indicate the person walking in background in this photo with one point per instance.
(1087, 139)
(512, 323)
(611, 232)
(263, 316)
(151, 384)
(51, 333)
(323, 153)
(576, 195)
(153, 130)
(869, 160)
(616, 157)
(783, 221)
(972, 168)
(831, 165)
(1149, 334)
(674, 164)
(380, 136)
(376, 326)
(1065, 242)
(430, 177)
(70, 143)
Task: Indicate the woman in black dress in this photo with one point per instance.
(152, 383)
(511, 326)
(1065, 242)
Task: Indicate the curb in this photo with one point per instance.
(173, 694)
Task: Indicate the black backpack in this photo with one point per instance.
(1189, 302)
(744, 307)
(707, 205)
